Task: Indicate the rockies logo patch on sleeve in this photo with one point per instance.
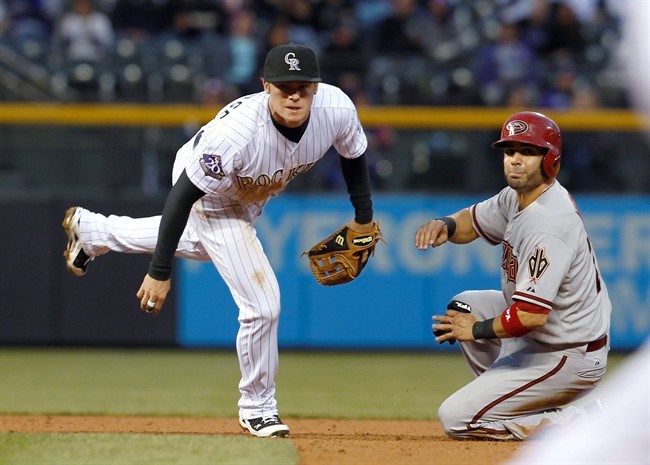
(211, 165)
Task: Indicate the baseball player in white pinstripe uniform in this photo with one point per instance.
(222, 178)
(541, 342)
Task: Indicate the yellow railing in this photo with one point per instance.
(397, 117)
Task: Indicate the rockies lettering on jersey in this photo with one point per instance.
(247, 182)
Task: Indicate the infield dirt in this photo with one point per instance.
(319, 441)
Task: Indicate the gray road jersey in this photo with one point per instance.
(548, 261)
(241, 160)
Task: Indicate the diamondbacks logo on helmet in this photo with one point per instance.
(516, 127)
(292, 61)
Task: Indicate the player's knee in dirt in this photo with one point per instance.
(451, 418)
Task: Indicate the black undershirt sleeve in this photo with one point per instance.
(174, 219)
(355, 173)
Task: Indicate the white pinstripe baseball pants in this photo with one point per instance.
(231, 243)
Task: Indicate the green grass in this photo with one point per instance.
(353, 385)
(113, 449)
(204, 383)
(131, 382)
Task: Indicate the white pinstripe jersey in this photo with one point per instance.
(240, 160)
(549, 261)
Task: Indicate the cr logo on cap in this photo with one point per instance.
(292, 61)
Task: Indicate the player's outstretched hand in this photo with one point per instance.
(432, 233)
(453, 326)
(152, 294)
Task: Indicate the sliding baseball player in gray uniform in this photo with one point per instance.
(541, 342)
(222, 178)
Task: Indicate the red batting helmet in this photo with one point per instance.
(535, 129)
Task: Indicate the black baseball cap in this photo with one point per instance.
(291, 62)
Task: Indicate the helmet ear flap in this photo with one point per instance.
(551, 163)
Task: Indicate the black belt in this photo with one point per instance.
(597, 344)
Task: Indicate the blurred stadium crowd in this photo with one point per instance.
(543, 53)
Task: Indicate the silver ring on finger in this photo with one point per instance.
(151, 305)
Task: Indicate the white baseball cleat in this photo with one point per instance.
(76, 260)
(265, 427)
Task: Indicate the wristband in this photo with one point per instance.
(511, 322)
(483, 330)
(159, 272)
(449, 223)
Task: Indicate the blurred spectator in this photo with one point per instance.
(370, 12)
(244, 52)
(584, 10)
(605, 21)
(330, 13)
(342, 60)
(395, 34)
(301, 21)
(83, 45)
(399, 69)
(84, 34)
(30, 19)
(398, 52)
(278, 33)
(439, 33)
(194, 19)
(508, 61)
(4, 19)
(558, 92)
(533, 24)
(141, 20)
(585, 97)
(564, 32)
(521, 96)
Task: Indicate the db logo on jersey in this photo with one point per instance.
(538, 263)
(211, 165)
(516, 127)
